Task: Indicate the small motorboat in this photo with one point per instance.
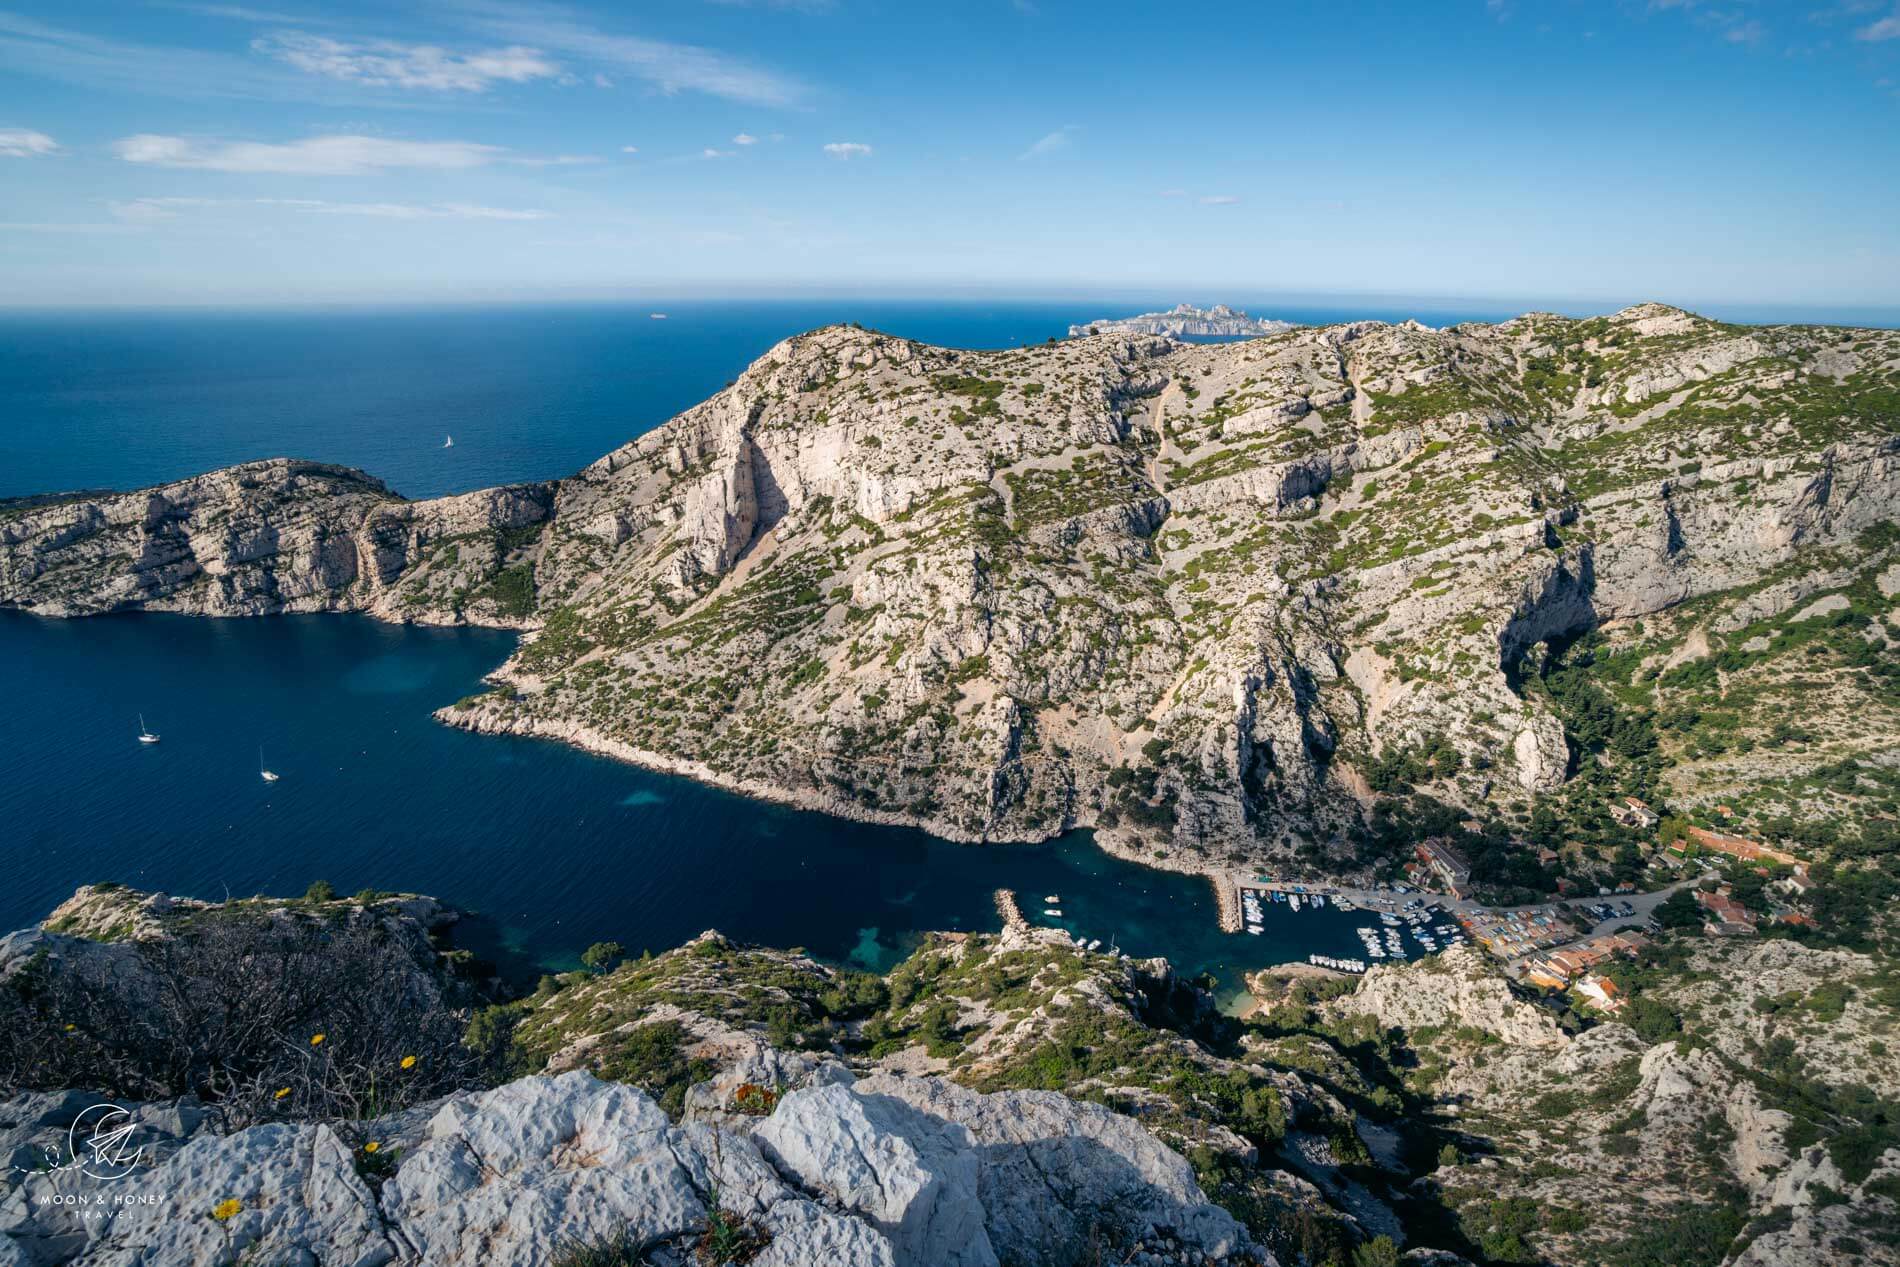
(1052, 912)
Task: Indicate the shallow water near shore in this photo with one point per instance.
(553, 847)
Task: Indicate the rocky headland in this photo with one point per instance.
(1229, 605)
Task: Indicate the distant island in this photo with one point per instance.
(1185, 320)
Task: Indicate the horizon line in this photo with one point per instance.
(1741, 311)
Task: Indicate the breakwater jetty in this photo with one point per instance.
(1013, 921)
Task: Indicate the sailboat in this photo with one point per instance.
(145, 736)
(267, 775)
(448, 442)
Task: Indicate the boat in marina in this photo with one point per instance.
(1337, 964)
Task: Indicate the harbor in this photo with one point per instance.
(1398, 924)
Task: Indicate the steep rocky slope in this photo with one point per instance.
(994, 1099)
(1741, 1110)
(1205, 599)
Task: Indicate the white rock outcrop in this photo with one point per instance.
(891, 1172)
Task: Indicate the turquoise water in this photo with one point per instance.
(555, 848)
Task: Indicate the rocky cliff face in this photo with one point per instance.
(1191, 596)
(277, 536)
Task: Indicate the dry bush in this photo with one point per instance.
(265, 1015)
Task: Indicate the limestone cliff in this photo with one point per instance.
(275, 536)
(1191, 596)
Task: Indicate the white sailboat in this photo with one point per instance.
(448, 442)
(263, 773)
(145, 736)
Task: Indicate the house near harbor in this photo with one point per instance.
(1731, 917)
(1633, 814)
(1447, 864)
(1601, 993)
(1560, 967)
(1798, 882)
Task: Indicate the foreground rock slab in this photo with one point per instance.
(891, 1172)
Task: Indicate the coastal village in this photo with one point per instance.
(1566, 944)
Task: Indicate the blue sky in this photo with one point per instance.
(182, 152)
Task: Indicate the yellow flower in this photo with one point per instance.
(371, 1147)
(281, 1093)
(408, 1062)
(70, 1028)
(226, 1210)
(316, 1040)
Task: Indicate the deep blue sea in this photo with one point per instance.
(553, 848)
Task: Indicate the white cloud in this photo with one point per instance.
(1054, 143)
(797, 6)
(318, 156)
(238, 13)
(629, 149)
(153, 210)
(62, 226)
(712, 153)
(25, 143)
(670, 67)
(1219, 200)
(745, 138)
(37, 50)
(848, 149)
(1888, 28)
(147, 210)
(386, 64)
(416, 211)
